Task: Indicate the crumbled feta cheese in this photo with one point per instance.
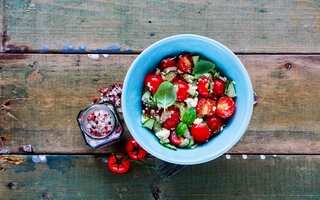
(188, 78)
(233, 82)
(180, 72)
(192, 90)
(198, 121)
(163, 135)
(191, 102)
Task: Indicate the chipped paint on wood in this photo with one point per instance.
(12, 159)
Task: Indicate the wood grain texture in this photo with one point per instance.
(244, 26)
(2, 14)
(46, 92)
(87, 177)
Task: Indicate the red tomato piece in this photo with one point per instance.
(134, 150)
(166, 63)
(152, 82)
(173, 120)
(182, 88)
(225, 107)
(204, 87)
(185, 63)
(200, 132)
(118, 164)
(219, 87)
(175, 139)
(206, 107)
(215, 123)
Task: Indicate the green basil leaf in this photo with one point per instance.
(189, 116)
(181, 129)
(203, 67)
(166, 95)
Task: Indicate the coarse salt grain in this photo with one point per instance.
(112, 94)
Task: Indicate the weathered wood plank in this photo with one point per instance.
(87, 177)
(243, 26)
(2, 14)
(46, 93)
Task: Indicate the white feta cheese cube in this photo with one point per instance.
(163, 135)
(198, 121)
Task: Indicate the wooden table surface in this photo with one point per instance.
(48, 74)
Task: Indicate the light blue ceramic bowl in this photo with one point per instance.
(228, 64)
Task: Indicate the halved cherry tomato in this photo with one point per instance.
(218, 87)
(173, 120)
(182, 88)
(206, 107)
(152, 82)
(175, 139)
(204, 86)
(185, 63)
(225, 107)
(215, 123)
(118, 164)
(166, 63)
(134, 150)
(200, 132)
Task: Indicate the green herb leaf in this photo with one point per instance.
(203, 67)
(181, 129)
(189, 116)
(166, 95)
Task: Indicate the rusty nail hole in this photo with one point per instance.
(3, 139)
(288, 65)
(7, 103)
(149, 22)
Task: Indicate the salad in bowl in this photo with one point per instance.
(183, 86)
(186, 101)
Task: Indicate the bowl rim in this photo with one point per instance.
(245, 121)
